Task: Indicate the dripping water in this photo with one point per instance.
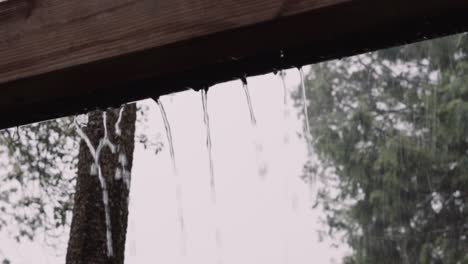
(121, 172)
(176, 174)
(262, 166)
(249, 101)
(286, 113)
(313, 177)
(282, 75)
(168, 133)
(218, 235)
(105, 140)
(96, 169)
(118, 131)
(105, 195)
(304, 107)
(208, 143)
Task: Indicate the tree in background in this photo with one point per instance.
(391, 129)
(99, 224)
(46, 174)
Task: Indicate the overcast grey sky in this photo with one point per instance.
(262, 219)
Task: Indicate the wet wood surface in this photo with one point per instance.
(60, 57)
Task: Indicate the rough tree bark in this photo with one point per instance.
(87, 242)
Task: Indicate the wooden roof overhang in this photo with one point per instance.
(63, 57)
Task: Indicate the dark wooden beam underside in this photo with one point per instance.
(334, 31)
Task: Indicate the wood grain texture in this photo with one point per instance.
(15, 10)
(60, 34)
(67, 56)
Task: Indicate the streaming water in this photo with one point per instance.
(262, 165)
(96, 169)
(208, 144)
(249, 101)
(282, 75)
(118, 131)
(176, 174)
(304, 107)
(105, 140)
(313, 177)
(218, 235)
(286, 114)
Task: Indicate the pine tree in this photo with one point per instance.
(392, 127)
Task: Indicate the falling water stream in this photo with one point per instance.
(118, 131)
(218, 235)
(286, 114)
(208, 144)
(313, 177)
(121, 172)
(105, 142)
(176, 174)
(249, 101)
(262, 165)
(304, 107)
(96, 169)
(282, 75)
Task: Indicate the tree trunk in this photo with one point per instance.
(88, 242)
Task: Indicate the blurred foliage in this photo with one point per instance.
(38, 178)
(391, 130)
(38, 164)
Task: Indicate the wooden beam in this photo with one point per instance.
(62, 57)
